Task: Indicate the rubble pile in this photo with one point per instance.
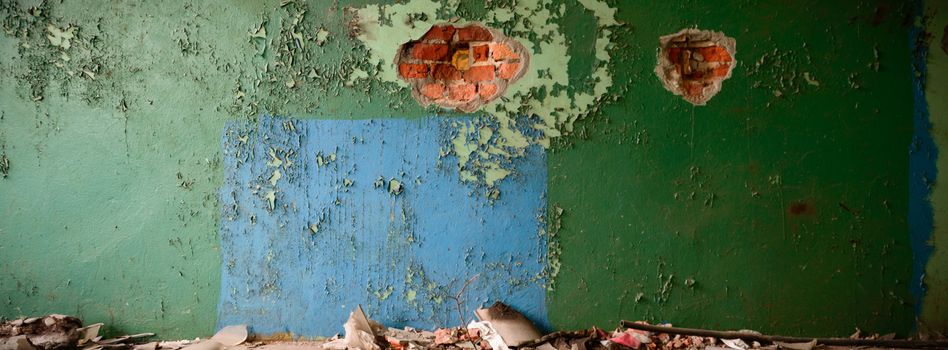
(55, 332)
(498, 327)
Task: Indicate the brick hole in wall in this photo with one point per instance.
(461, 67)
(694, 63)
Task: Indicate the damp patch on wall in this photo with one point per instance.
(319, 216)
(461, 67)
(694, 63)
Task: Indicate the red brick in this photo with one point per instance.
(693, 88)
(714, 54)
(463, 92)
(503, 52)
(474, 33)
(431, 52)
(487, 90)
(479, 73)
(413, 70)
(433, 90)
(674, 55)
(446, 72)
(445, 33)
(480, 52)
(508, 70)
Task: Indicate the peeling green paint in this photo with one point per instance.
(383, 28)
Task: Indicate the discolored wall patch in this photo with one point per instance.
(461, 67)
(694, 63)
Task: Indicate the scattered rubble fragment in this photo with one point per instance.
(59, 332)
(694, 63)
(513, 327)
(361, 333)
(49, 332)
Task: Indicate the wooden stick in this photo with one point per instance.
(893, 343)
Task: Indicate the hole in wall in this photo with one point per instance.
(694, 63)
(461, 67)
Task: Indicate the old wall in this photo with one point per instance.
(175, 167)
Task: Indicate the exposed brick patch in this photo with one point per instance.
(461, 67)
(487, 90)
(480, 52)
(474, 33)
(508, 70)
(463, 92)
(433, 90)
(694, 63)
(503, 52)
(480, 73)
(413, 70)
(430, 52)
(443, 33)
(446, 72)
(713, 54)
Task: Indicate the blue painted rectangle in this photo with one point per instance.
(400, 256)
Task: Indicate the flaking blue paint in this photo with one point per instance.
(922, 171)
(371, 247)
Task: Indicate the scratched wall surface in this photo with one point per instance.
(127, 195)
(322, 215)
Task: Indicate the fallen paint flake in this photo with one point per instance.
(810, 80)
(321, 36)
(356, 75)
(271, 199)
(379, 182)
(60, 37)
(4, 165)
(260, 32)
(277, 174)
(395, 187)
(275, 161)
(231, 335)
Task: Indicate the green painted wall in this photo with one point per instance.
(781, 206)
(935, 312)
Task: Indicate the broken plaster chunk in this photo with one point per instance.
(231, 335)
(694, 63)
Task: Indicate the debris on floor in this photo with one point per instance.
(511, 325)
(59, 332)
(500, 327)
